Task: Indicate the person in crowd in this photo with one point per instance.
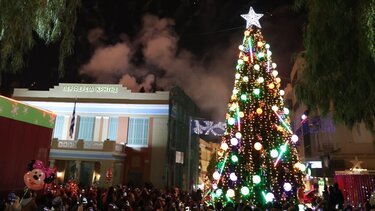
(13, 202)
(339, 196)
(28, 202)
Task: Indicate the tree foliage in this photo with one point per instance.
(24, 21)
(339, 76)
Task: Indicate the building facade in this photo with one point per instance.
(208, 153)
(333, 146)
(115, 136)
(183, 144)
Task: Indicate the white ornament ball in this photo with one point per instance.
(216, 175)
(287, 186)
(233, 177)
(234, 141)
(269, 197)
(294, 138)
(274, 153)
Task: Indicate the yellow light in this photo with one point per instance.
(224, 146)
(246, 33)
(233, 106)
(59, 174)
(278, 80)
(97, 177)
(246, 58)
(257, 146)
(259, 111)
(230, 193)
(271, 86)
(260, 44)
(241, 114)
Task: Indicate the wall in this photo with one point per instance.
(159, 152)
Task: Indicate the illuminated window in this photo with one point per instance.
(86, 128)
(112, 130)
(138, 132)
(57, 132)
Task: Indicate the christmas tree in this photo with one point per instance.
(258, 160)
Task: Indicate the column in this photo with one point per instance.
(78, 170)
(106, 166)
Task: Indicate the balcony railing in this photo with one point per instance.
(93, 145)
(67, 144)
(107, 146)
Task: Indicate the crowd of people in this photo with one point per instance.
(129, 198)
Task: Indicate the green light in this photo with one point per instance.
(283, 148)
(219, 192)
(220, 165)
(245, 191)
(234, 158)
(243, 97)
(260, 55)
(256, 91)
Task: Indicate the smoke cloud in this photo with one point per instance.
(165, 65)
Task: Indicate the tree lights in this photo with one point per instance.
(258, 161)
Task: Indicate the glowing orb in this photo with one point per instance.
(256, 179)
(287, 186)
(274, 153)
(258, 146)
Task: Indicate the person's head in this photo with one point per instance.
(330, 188)
(11, 198)
(336, 185)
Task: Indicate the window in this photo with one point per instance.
(138, 132)
(112, 129)
(57, 132)
(86, 128)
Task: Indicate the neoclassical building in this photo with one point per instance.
(105, 134)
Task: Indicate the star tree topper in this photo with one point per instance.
(252, 18)
(356, 163)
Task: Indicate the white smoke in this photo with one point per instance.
(208, 85)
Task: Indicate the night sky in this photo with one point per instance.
(153, 45)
